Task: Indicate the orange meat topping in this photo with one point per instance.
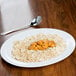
(42, 45)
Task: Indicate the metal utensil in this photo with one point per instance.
(34, 22)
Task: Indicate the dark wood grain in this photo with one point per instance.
(59, 14)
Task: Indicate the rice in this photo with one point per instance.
(21, 53)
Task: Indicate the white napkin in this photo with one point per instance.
(15, 13)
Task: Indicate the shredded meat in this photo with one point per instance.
(42, 45)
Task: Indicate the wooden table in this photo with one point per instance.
(59, 14)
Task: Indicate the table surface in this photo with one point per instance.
(59, 14)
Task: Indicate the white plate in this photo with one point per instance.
(7, 46)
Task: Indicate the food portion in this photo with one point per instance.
(42, 45)
(38, 48)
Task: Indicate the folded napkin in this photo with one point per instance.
(15, 13)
